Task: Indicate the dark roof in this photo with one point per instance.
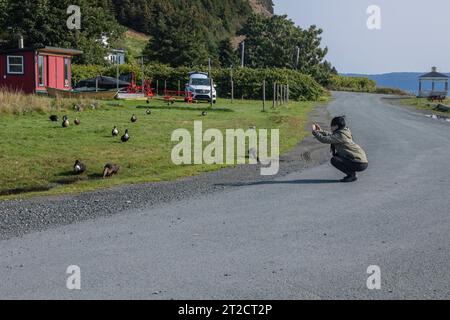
(434, 74)
(102, 82)
(46, 49)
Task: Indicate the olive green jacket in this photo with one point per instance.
(343, 145)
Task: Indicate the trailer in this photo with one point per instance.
(136, 92)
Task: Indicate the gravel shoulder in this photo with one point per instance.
(20, 217)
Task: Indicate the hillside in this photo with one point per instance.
(264, 7)
(220, 18)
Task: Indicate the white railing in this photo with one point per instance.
(432, 93)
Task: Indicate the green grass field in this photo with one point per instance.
(424, 104)
(37, 155)
(135, 43)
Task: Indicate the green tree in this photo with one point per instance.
(179, 40)
(44, 22)
(227, 54)
(272, 42)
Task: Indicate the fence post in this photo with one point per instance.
(288, 93)
(232, 91)
(282, 94)
(264, 95)
(165, 87)
(279, 94)
(274, 94)
(157, 87)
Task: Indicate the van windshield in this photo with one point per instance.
(200, 82)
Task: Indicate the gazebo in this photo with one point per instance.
(435, 78)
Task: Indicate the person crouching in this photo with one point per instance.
(348, 157)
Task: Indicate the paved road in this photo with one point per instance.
(300, 237)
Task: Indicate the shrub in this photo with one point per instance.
(247, 82)
(356, 84)
(393, 91)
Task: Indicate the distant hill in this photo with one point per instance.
(221, 18)
(407, 81)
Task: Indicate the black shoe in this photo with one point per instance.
(349, 179)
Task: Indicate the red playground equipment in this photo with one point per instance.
(134, 88)
(171, 96)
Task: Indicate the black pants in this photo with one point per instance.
(348, 167)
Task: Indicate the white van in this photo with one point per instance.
(200, 87)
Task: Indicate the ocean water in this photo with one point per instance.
(407, 81)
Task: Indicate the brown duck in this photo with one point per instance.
(110, 170)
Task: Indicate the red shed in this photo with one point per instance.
(31, 70)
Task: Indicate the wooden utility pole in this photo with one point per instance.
(117, 75)
(210, 82)
(157, 87)
(232, 84)
(143, 73)
(243, 54)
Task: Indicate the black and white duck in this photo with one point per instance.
(79, 167)
(115, 132)
(66, 122)
(134, 118)
(126, 136)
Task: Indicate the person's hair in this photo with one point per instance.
(339, 122)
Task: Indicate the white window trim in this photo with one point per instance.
(43, 71)
(9, 65)
(68, 80)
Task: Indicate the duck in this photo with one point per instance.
(77, 122)
(134, 118)
(125, 137)
(204, 114)
(78, 108)
(66, 122)
(110, 170)
(253, 155)
(79, 167)
(115, 132)
(148, 112)
(54, 118)
(148, 101)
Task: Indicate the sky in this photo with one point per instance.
(414, 34)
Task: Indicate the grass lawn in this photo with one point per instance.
(37, 155)
(424, 104)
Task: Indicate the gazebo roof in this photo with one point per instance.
(434, 75)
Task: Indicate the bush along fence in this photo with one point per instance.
(239, 83)
(356, 84)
